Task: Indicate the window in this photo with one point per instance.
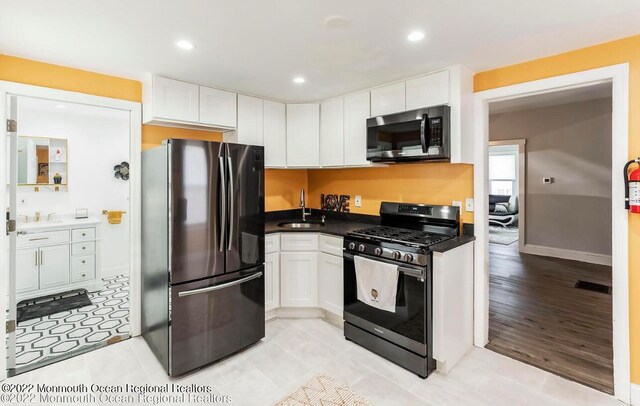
(502, 174)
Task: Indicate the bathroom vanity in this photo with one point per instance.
(57, 256)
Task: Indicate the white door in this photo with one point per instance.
(27, 261)
(271, 281)
(54, 266)
(217, 107)
(388, 99)
(250, 119)
(330, 283)
(332, 133)
(175, 100)
(9, 176)
(303, 135)
(299, 279)
(274, 134)
(356, 113)
(427, 91)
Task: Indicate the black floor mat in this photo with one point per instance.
(47, 305)
(594, 287)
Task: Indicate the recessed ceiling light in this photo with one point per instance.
(337, 21)
(61, 106)
(415, 36)
(186, 45)
(298, 79)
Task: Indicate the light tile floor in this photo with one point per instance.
(294, 350)
(46, 338)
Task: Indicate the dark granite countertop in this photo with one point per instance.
(339, 224)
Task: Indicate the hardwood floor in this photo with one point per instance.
(537, 316)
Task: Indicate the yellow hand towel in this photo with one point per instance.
(115, 216)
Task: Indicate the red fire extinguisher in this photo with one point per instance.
(632, 187)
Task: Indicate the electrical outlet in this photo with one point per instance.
(456, 203)
(358, 201)
(547, 180)
(468, 205)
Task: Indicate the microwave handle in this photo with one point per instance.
(425, 127)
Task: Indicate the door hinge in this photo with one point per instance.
(11, 326)
(11, 226)
(12, 125)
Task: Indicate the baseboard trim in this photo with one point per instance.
(299, 312)
(114, 271)
(634, 390)
(562, 253)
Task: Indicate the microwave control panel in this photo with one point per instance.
(435, 140)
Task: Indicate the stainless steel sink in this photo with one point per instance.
(300, 225)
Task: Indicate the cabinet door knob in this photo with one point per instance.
(84, 274)
(83, 261)
(84, 248)
(83, 234)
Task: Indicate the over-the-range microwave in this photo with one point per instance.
(422, 134)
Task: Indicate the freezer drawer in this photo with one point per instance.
(213, 318)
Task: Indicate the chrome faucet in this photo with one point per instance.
(36, 218)
(302, 204)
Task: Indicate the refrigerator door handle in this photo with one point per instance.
(218, 287)
(231, 203)
(223, 202)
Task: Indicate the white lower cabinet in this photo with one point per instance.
(330, 283)
(271, 281)
(299, 279)
(54, 266)
(27, 275)
(304, 270)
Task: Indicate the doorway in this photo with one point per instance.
(617, 78)
(72, 263)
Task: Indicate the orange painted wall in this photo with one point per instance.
(437, 183)
(625, 50)
(153, 135)
(30, 72)
(282, 188)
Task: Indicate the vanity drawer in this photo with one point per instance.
(271, 243)
(299, 242)
(83, 268)
(42, 238)
(331, 245)
(81, 248)
(83, 234)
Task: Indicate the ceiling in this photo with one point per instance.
(258, 47)
(574, 95)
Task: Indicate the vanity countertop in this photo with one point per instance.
(54, 224)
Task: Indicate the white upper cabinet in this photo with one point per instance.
(250, 121)
(332, 133)
(356, 113)
(173, 103)
(217, 107)
(303, 135)
(427, 91)
(388, 99)
(275, 134)
(175, 100)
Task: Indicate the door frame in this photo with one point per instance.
(135, 135)
(521, 143)
(618, 75)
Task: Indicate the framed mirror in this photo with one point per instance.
(42, 161)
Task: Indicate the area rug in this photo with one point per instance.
(51, 304)
(324, 391)
(503, 235)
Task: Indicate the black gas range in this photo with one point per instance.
(404, 238)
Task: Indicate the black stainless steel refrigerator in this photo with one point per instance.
(202, 251)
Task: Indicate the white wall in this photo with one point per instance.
(97, 140)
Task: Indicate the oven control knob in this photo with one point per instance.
(408, 257)
(361, 247)
(352, 245)
(378, 251)
(396, 255)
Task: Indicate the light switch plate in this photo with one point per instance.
(358, 201)
(468, 205)
(456, 203)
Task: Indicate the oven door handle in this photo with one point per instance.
(418, 273)
(424, 127)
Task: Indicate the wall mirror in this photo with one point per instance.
(42, 161)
